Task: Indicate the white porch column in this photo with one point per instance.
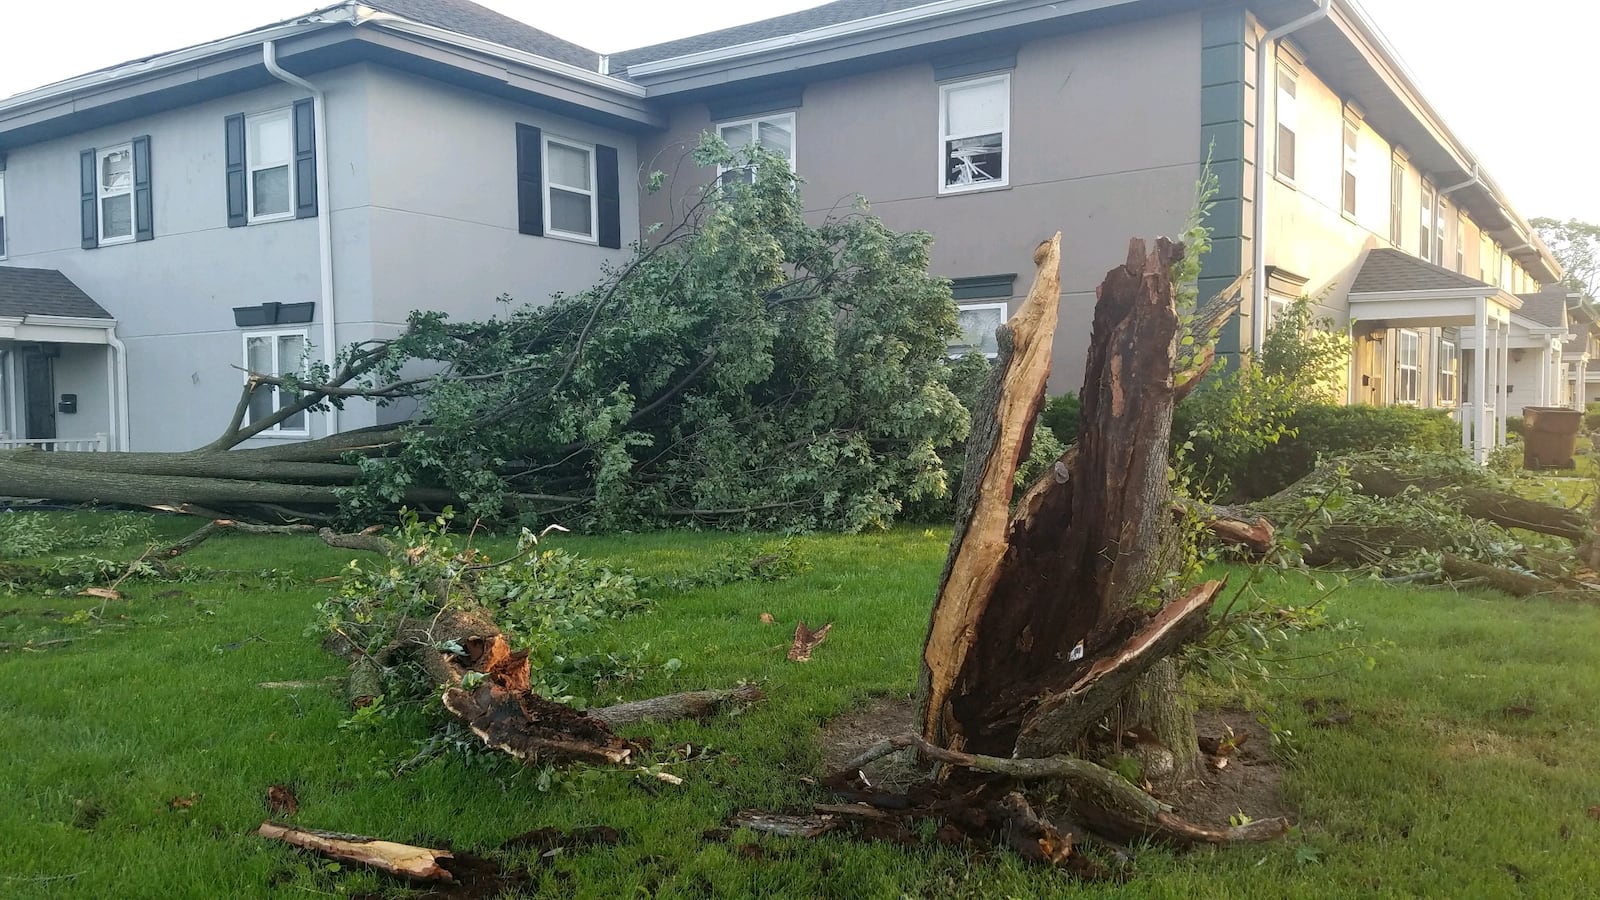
(1543, 397)
(1504, 372)
(1480, 397)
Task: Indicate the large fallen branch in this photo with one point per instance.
(421, 863)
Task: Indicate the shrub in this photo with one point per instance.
(1591, 416)
(1061, 417)
(1514, 425)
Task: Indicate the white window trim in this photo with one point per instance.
(1004, 306)
(1414, 337)
(1350, 170)
(1277, 305)
(1430, 221)
(244, 346)
(287, 112)
(755, 136)
(4, 235)
(1453, 373)
(101, 195)
(593, 237)
(944, 135)
(1292, 78)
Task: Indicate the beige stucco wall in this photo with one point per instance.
(1105, 146)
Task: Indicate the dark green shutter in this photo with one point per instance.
(305, 160)
(234, 160)
(530, 180)
(86, 200)
(144, 228)
(608, 192)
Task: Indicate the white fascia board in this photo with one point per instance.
(70, 321)
(391, 22)
(827, 32)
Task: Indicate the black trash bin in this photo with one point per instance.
(1549, 436)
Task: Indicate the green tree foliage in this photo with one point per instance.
(746, 368)
(1576, 245)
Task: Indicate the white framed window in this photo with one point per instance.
(114, 193)
(1429, 208)
(1288, 120)
(1407, 367)
(2, 214)
(1461, 243)
(1277, 305)
(1352, 139)
(569, 189)
(275, 353)
(978, 324)
(1449, 372)
(975, 134)
(772, 133)
(269, 165)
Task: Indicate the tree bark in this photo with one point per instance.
(1505, 509)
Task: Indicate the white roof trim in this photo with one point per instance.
(1509, 301)
(69, 321)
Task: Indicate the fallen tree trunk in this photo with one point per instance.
(1500, 507)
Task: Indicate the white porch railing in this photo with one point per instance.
(96, 444)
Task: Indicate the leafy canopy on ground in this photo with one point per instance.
(1466, 768)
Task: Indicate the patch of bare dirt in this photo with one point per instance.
(847, 735)
(1250, 783)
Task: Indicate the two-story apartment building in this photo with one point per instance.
(267, 197)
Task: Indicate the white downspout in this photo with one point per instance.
(119, 398)
(1258, 241)
(319, 119)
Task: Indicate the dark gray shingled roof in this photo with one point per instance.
(1387, 271)
(44, 292)
(468, 18)
(778, 26)
(1547, 307)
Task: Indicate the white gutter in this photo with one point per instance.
(842, 29)
(119, 397)
(366, 15)
(1477, 178)
(319, 119)
(1258, 234)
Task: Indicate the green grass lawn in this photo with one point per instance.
(1432, 789)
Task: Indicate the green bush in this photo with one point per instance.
(1591, 416)
(1514, 425)
(1327, 430)
(1061, 417)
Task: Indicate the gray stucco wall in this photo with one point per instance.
(423, 216)
(1105, 143)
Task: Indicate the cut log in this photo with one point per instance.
(420, 863)
(672, 707)
(1251, 535)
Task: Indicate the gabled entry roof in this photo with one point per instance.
(44, 292)
(1387, 271)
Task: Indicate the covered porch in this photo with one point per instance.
(1427, 336)
(62, 368)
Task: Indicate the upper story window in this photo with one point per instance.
(975, 134)
(1288, 120)
(271, 162)
(569, 189)
(774, 134)
(1352, 137)
(1426, 245)
(114, 187)
(269, 150)
(2, 213)
(1397, 196)
(1461, 243)
(275, 353)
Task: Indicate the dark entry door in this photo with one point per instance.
(38, 396)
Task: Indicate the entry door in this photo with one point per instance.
(38, 396)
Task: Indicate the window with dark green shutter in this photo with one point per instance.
(115, 200)
(305, 159)
(530, 180)
(271, 165)
(144, 228)
(608, 196)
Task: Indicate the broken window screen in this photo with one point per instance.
(978, 324)
(275, 354)
(975, 116)
(116, 193)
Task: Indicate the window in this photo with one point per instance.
(1397, 196)
(2, 214)
(569, 189)
(1461, 243)
(275, 353)
(269, 144)
(978, 324)
(975, 134)
(772, 133)
(114, 192)
(1288, 89)
(1407, 367)
(1449, 372)
(1425, 243)
(1277, 305)
(1352, 135)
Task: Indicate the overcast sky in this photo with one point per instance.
(1515, 81)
